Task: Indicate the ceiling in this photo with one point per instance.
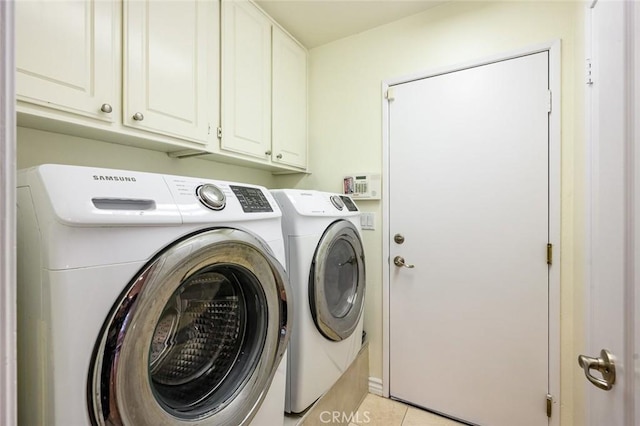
(317, 22)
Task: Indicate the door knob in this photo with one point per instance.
(106, 108)
(604, 365)
(399, 262)
(138, 116)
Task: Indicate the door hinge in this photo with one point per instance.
(588, 72)
(549, 404)
(219, 132)
(390, 95)
(549, 99)
(549, 254)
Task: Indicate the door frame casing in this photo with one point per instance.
(554, 49)
(628, 288)
(8, 357)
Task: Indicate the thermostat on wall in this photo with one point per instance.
(363, 186)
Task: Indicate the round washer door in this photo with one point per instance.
(337, 281)
(196, 337)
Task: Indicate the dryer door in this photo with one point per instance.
(337, 281)
(196, 337)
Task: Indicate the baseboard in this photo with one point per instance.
(375, 386)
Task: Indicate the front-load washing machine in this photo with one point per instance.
(326, 265)
(147, 299)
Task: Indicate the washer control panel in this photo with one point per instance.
(252, 200)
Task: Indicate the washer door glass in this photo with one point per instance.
(337, 281)
(196, 337)
(206, 330)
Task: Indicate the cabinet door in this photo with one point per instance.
(167, 85)
(65, 56)
(289, 101)
(246, 79)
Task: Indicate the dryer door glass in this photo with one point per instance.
(196, 337)
(341, 278)
(337, 281)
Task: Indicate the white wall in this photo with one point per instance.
(346, 130)
(40, 147)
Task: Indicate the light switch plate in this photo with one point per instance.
(368, 221)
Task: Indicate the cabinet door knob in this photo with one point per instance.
(106, 108)
(267, 152)
(138, 116)
(279, 156)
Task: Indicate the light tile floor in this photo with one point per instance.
(378, 411)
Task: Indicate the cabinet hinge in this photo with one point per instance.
(588, 72)
(390, 95)
(549, 99)
(549, 254)
(220, 132)
(549, 404)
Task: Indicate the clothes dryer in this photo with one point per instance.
(326, 265)
(147, 299)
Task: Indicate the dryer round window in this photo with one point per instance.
(337, 281)
(342, 270)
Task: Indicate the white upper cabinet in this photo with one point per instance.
(289, 103)
(217, 79)
(246, 77)
(65, 56)
(264, 88)
(167, 50)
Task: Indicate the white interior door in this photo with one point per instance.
(469, 192)
(612, 294)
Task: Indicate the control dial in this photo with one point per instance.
(337, 202)
(211, 196)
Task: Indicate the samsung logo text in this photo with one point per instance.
(114, 178)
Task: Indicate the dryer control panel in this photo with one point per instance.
(351, 206)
